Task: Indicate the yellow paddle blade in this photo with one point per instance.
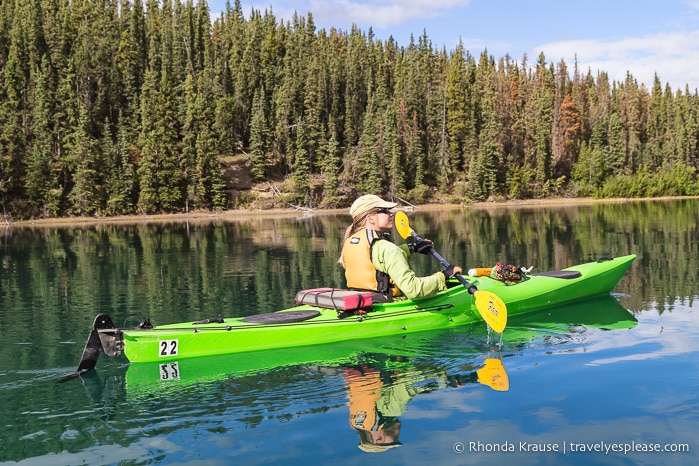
(402, 225)
(493, 375)
(492, 309)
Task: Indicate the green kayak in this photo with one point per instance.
(330, 315)
(602, 313)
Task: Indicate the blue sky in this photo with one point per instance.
(615, 36)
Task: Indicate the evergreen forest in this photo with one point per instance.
(116, 107)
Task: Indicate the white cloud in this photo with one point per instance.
(376, 13)
(673, 55)
(381, 13)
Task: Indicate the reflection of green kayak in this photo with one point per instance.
(154, 375)
(312, 324)
(604, 312)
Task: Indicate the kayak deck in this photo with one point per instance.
(546, 289)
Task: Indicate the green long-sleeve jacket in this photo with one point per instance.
(392, 259)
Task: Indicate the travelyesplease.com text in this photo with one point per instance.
(567, 447)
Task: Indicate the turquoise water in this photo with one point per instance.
(595, 383)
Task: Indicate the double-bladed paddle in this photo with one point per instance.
(489, 305)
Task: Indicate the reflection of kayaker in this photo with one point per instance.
(375, 407)
(377, 398)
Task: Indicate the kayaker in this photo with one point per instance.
(373, 262)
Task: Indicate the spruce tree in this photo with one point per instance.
(393, 154)
(330, 168)
(86, 196)
(13, 108)
(371, 156)
(456, 107)
(210, 184)
(41, 184)
(122, 173)
(543, 99)
(301, 169)
(259, 137)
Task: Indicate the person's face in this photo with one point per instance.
(381, 219)
(385, 436)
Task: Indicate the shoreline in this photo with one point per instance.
(244, 214)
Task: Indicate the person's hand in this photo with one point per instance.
(451, 271)
(423, 246)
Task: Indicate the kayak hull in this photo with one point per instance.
(603, 313)
(450, 308)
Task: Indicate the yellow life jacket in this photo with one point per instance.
(364, 392)
(360, 272)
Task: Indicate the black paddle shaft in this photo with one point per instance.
(471, 288)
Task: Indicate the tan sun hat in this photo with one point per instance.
(367, 203)
(378, 447)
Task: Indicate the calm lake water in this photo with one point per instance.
(601, 382)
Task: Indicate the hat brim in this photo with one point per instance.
(378, 447)
(386, 205)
